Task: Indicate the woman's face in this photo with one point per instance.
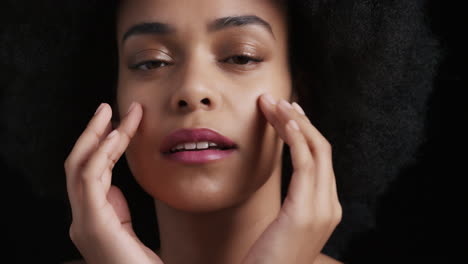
(202, 64)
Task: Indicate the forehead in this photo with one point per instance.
(190, 14)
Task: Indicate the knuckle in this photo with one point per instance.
(304, 222)
(73, 234)
(126, 135)
(67, 165)
(327, 217)
(87, 177)
(108, 155)
(112, 164)
(333, 216)
(94, 134)
(302, 171)
(93, 138)
(306, 166)
(81, 235)
(325, 146)
(323, 220)
(88, 231)
(112, 160)
(307, 121)
(338, 214)
(92, 233)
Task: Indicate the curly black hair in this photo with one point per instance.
(363, 70)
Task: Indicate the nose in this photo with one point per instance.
(195, 90)
(186, 103)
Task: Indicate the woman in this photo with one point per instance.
(202, 113)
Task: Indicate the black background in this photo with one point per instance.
(418, 219)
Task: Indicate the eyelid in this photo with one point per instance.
(158, 50)
(150, 55)
(147, 56)
(242, 47)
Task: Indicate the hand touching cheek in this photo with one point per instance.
(311, 209)
(102, 228)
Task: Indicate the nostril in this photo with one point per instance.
(206, 101)
(182, 103)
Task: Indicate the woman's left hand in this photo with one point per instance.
(311, 209)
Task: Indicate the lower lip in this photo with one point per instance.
(199, 156)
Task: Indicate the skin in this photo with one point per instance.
(196, 73)
(226, 211)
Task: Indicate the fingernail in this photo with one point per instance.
(112, 134)
(298, 108)
(293, 124)
(270, 99)
(99, 108)
(286, 104)
(131, 107)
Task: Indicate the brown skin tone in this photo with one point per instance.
(216, 210)
(226, 211)
(196, 72)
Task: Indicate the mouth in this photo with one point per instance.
(197, 146)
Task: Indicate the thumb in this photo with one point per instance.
(116, 198)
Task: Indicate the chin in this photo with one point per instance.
(193, 190)
(221, 185)
(202, 195)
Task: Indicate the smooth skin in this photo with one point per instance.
(101, 227)
(204, 71)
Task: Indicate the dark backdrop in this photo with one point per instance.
(53, 59)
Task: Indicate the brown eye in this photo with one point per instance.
(242, 60)
(148, 65)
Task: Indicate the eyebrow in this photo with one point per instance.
(158, 28)
(236, 21)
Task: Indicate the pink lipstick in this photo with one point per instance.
(197, 146)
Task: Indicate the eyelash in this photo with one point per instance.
(137, 66)
(250, 59)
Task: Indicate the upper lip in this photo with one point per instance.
(186, 135)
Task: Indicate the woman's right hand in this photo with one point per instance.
(101, 228)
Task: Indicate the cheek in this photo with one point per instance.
(273, 78)
(225, 183)
(215, 186)
(125, 96)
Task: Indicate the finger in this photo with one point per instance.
(106, 132)
(298, 108)
(89, 140)
(126, 130)
(98, 172)
(299, 192)
(279, 113)
(316, 141)
(129, 126)
(318, 145)
(304, 189)
(268, 106)
(91, 137)
(303, 165)
(94, 191)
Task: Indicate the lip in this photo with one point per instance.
(196, 135)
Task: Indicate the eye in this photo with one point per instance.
(148, 65)
(242, 60)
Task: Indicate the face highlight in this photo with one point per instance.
(202, 64)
